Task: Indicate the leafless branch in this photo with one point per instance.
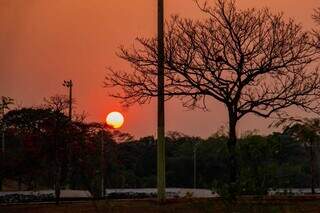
(252, 61)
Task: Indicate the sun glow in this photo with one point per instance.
(115, 120)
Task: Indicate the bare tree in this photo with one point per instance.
(252, 61)
(58, 103)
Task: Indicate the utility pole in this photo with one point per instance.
(161, 181)
(69, 84)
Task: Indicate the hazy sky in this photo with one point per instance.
(43, 42)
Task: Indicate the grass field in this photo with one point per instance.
(247, 204)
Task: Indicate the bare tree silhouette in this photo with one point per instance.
(252, 61)
(58, 103)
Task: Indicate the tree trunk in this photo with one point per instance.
(1, 181)
(233, 167)
(312, 168)
(57, 184)
(19, 183)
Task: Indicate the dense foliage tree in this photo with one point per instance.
(44, 132)
(45, 148)
(307, 132)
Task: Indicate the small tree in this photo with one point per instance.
(58, 103)
(47, 131)
(307, 131)
(252, 61)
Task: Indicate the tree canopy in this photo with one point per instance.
(252, 61)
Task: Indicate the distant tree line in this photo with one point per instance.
(45, 151)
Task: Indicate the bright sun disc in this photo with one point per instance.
(115, 120)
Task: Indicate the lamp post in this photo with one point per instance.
(69, 85)
(161, 182)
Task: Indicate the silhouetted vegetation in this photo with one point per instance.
(37, 138)
(251, 61)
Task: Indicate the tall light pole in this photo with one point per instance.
(161, 181)
(69, 85)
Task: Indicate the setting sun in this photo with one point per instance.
(115, 120)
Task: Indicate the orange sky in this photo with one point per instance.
(43, 42)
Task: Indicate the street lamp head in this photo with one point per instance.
(67, 83)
